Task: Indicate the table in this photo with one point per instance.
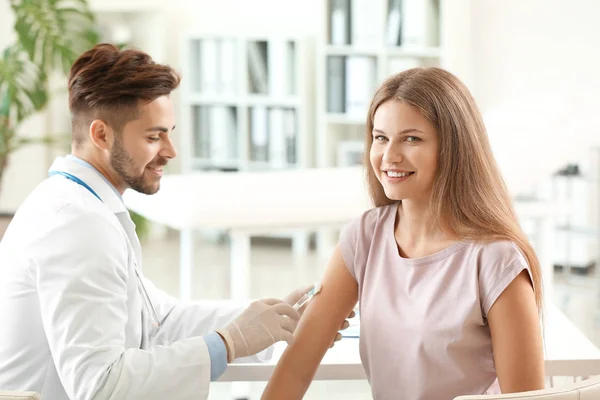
(568, 353)
(249, 203)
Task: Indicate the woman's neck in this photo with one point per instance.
(416, 232)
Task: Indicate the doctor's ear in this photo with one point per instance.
(101, 134)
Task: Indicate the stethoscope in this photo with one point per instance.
(146, 297)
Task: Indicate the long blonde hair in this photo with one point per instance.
(469, 199)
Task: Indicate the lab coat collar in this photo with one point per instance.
(88, 174)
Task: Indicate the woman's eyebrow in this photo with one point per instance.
(402, 132)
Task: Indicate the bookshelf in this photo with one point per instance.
(248, 105)
(576, 231)
(360, 44)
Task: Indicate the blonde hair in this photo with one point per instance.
(469, 199)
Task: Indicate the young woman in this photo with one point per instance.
(448, 285)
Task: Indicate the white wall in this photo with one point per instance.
(535, 74)
(529, 45)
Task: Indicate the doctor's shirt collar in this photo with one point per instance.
(92, 177)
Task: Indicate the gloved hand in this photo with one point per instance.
(263, 323)
(295, 295)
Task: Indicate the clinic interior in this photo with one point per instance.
(283, 87)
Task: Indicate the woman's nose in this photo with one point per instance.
(393, 154)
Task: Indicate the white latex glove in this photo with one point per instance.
(263, 323)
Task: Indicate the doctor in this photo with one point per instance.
(78, 318)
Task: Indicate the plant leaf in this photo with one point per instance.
(54, 32)
(22, 85)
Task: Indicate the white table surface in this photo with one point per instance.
(568, 353)
(255, 201)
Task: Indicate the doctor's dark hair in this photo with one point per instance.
(469, 199)
(109, 84)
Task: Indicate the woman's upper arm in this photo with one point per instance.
(315, 333)
(516, 337)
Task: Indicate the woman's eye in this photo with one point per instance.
(412, 139)
(380, 137)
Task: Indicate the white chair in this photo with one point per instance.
(588, 389)
(14, 395)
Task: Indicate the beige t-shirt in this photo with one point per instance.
(424, 333)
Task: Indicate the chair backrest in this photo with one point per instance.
(13, 395)
(588, 389)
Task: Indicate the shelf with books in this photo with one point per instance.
(247, 98)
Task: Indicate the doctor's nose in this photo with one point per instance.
(168, 149)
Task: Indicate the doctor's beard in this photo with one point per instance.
(124, 165)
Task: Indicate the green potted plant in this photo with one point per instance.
(50, 36)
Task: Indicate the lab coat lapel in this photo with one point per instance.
(129, 227)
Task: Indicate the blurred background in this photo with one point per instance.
(279, 86)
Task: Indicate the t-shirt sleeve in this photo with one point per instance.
(347, 243)
(355, 241)
(500, 263)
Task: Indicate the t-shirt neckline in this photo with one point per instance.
(428, 259)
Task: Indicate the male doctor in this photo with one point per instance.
(78, 319)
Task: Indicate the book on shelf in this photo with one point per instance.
(259, 133)
(336, 84)
(281, 62)
(215, 133)
(227, 67)
(209, 76)
(277, 139)
(223, 133)
(339, 23)
(419, 23)
(215, 61)
(394, 23)
(201, 130)
(195, 65)
(257, 67)
(360, 84)
(290, 126)
(364, 31)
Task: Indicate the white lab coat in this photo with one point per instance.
(74, 321)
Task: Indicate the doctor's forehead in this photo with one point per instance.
(157, 114)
